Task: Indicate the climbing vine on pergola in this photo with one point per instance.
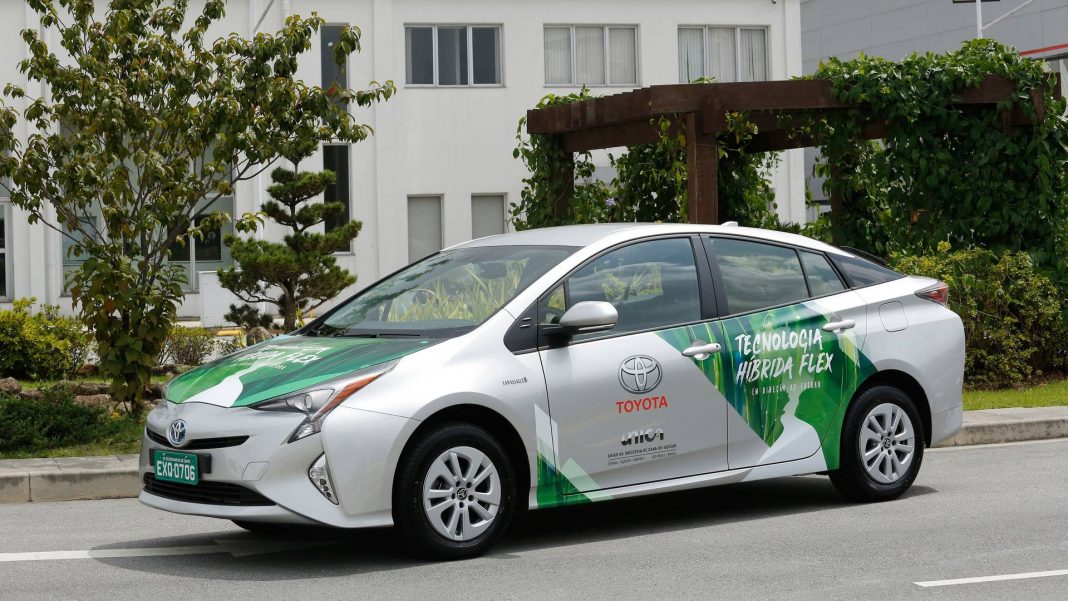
(967, 146)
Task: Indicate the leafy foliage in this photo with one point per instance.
(945, 172)
(145, 126)
(42, 345)
(1013, 321)
(302, 273)
(188, 346)
(547, 198)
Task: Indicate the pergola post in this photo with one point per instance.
(702, 171)
(563, 178)
(838, 200)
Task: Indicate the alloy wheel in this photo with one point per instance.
(887, 443)
(461, 493)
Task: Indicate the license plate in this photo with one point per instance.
(181, 468)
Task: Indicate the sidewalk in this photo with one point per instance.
(115, 476)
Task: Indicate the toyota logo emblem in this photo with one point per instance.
(639, 374)
(176, 433)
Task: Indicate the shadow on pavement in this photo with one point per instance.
(329, 553)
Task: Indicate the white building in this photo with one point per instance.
(439, 169)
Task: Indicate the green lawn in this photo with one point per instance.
(45, 384)
(1054, 392)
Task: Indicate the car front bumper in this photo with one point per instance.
(265, 478)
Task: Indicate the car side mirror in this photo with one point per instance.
(589, 316)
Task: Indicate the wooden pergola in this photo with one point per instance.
(626, 119)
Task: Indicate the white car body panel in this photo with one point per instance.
(560, 402)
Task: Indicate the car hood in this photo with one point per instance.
(283, 365)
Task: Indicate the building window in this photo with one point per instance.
(424, 226)
(453, 55)
(335, 78)
(488, 215)
(724, 53)
(5, 268)
(336, 159)
(585, 55)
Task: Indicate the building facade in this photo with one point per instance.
(894, 29)
(439, 169)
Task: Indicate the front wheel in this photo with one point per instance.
(455, 492)
(882, 446)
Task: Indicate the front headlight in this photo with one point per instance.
(317, 402)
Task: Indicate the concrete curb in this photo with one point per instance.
(69, 479)
(77, 478)
(1016, 431)
(109, 483)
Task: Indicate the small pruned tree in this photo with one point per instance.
(146, 124)
(301, 273)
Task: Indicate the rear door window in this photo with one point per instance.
(756, 276)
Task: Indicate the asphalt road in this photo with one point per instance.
(974, 512)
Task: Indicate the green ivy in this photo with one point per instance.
(650, 184)
(945, 172)
(545, 200)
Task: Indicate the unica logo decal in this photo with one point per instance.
(641, 436)
(780, 342)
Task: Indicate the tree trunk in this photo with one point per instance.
(289, 311)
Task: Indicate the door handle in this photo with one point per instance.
(701, 350)
(835, 326)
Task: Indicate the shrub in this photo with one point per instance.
(1013, 315)
(187, 346)
(248, 317)
(42, 345)
(52, 421)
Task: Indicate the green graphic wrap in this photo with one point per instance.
(555, 489)
(713, 368)
(781, 360)
(283, 365)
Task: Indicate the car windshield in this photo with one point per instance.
(445, 295)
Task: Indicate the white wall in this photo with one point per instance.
(452, 142)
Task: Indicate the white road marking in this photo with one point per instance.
(999, 578)
(234, 548)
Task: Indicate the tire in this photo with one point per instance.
(429, 501)
(879, 424)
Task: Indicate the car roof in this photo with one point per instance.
(585, 235)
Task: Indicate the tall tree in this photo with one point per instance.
(301, 273)
(146, 125)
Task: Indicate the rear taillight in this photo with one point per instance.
(938, 293)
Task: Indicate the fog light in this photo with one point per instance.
(320, 477)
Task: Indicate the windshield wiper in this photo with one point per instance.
(379, 335)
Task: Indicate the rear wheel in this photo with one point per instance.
(882, 446)
(455, 492)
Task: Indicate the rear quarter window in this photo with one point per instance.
(860, 272)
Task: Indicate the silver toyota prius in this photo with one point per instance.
(567, 365)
